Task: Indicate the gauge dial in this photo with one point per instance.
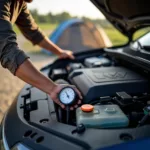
(67, 96)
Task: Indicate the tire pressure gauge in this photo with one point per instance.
(67, 96)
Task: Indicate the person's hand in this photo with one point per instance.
(66, 54)
(55, 91)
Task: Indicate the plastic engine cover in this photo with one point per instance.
(96, 82)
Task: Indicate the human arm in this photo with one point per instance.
(28, 73)
(15, 60)
(32, 32)
(49, 45)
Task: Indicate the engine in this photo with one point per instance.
(98, 82)
(112, 89)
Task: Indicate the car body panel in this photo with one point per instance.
(126, 15)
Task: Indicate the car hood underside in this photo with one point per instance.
(126, 15)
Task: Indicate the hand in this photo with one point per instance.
(55, 91)
(66, 54)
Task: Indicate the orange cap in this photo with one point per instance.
(87, 108)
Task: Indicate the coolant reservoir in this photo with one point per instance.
(101, 116)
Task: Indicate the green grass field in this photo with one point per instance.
(115, 36)
(45, 27)
(118, 38)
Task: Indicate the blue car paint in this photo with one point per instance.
(141, 144)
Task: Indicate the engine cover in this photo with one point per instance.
(96, 82)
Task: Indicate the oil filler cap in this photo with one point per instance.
(87, 108)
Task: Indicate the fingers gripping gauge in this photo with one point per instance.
(68, 97)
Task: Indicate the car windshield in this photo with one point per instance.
(142, 43)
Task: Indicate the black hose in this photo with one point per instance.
(144, 119)
(67, 114)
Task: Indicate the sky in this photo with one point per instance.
(74, 7)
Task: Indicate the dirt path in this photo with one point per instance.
(10, 85)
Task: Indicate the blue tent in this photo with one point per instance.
(77, 35)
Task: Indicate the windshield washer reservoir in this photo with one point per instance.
(102, 116)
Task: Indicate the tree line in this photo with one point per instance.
(60, 17)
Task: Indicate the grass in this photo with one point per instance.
(29, 47)
(141, 32)
(45, 27)
(48, 26)
(115, 36)
(118, 39)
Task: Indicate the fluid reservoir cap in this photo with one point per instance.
(87, 108)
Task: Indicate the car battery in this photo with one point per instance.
(101, 116)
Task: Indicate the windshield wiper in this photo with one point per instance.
(143, 47)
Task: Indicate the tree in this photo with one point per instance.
(58, 18)
(62, 17)
(35, 14)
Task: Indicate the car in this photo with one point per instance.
(115, 85)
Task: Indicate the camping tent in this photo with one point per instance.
(77, 35)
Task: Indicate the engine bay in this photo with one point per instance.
(119, 94)
(115, 107)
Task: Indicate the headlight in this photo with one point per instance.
(20, 146)
(1, 145)
(4, 144)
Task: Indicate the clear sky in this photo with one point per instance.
(74, 7)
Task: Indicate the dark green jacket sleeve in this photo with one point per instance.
(28, 27)
(11, 56)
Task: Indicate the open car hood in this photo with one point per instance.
(126, 15)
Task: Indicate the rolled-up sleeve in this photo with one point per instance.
(11, 57)
(28, 27)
